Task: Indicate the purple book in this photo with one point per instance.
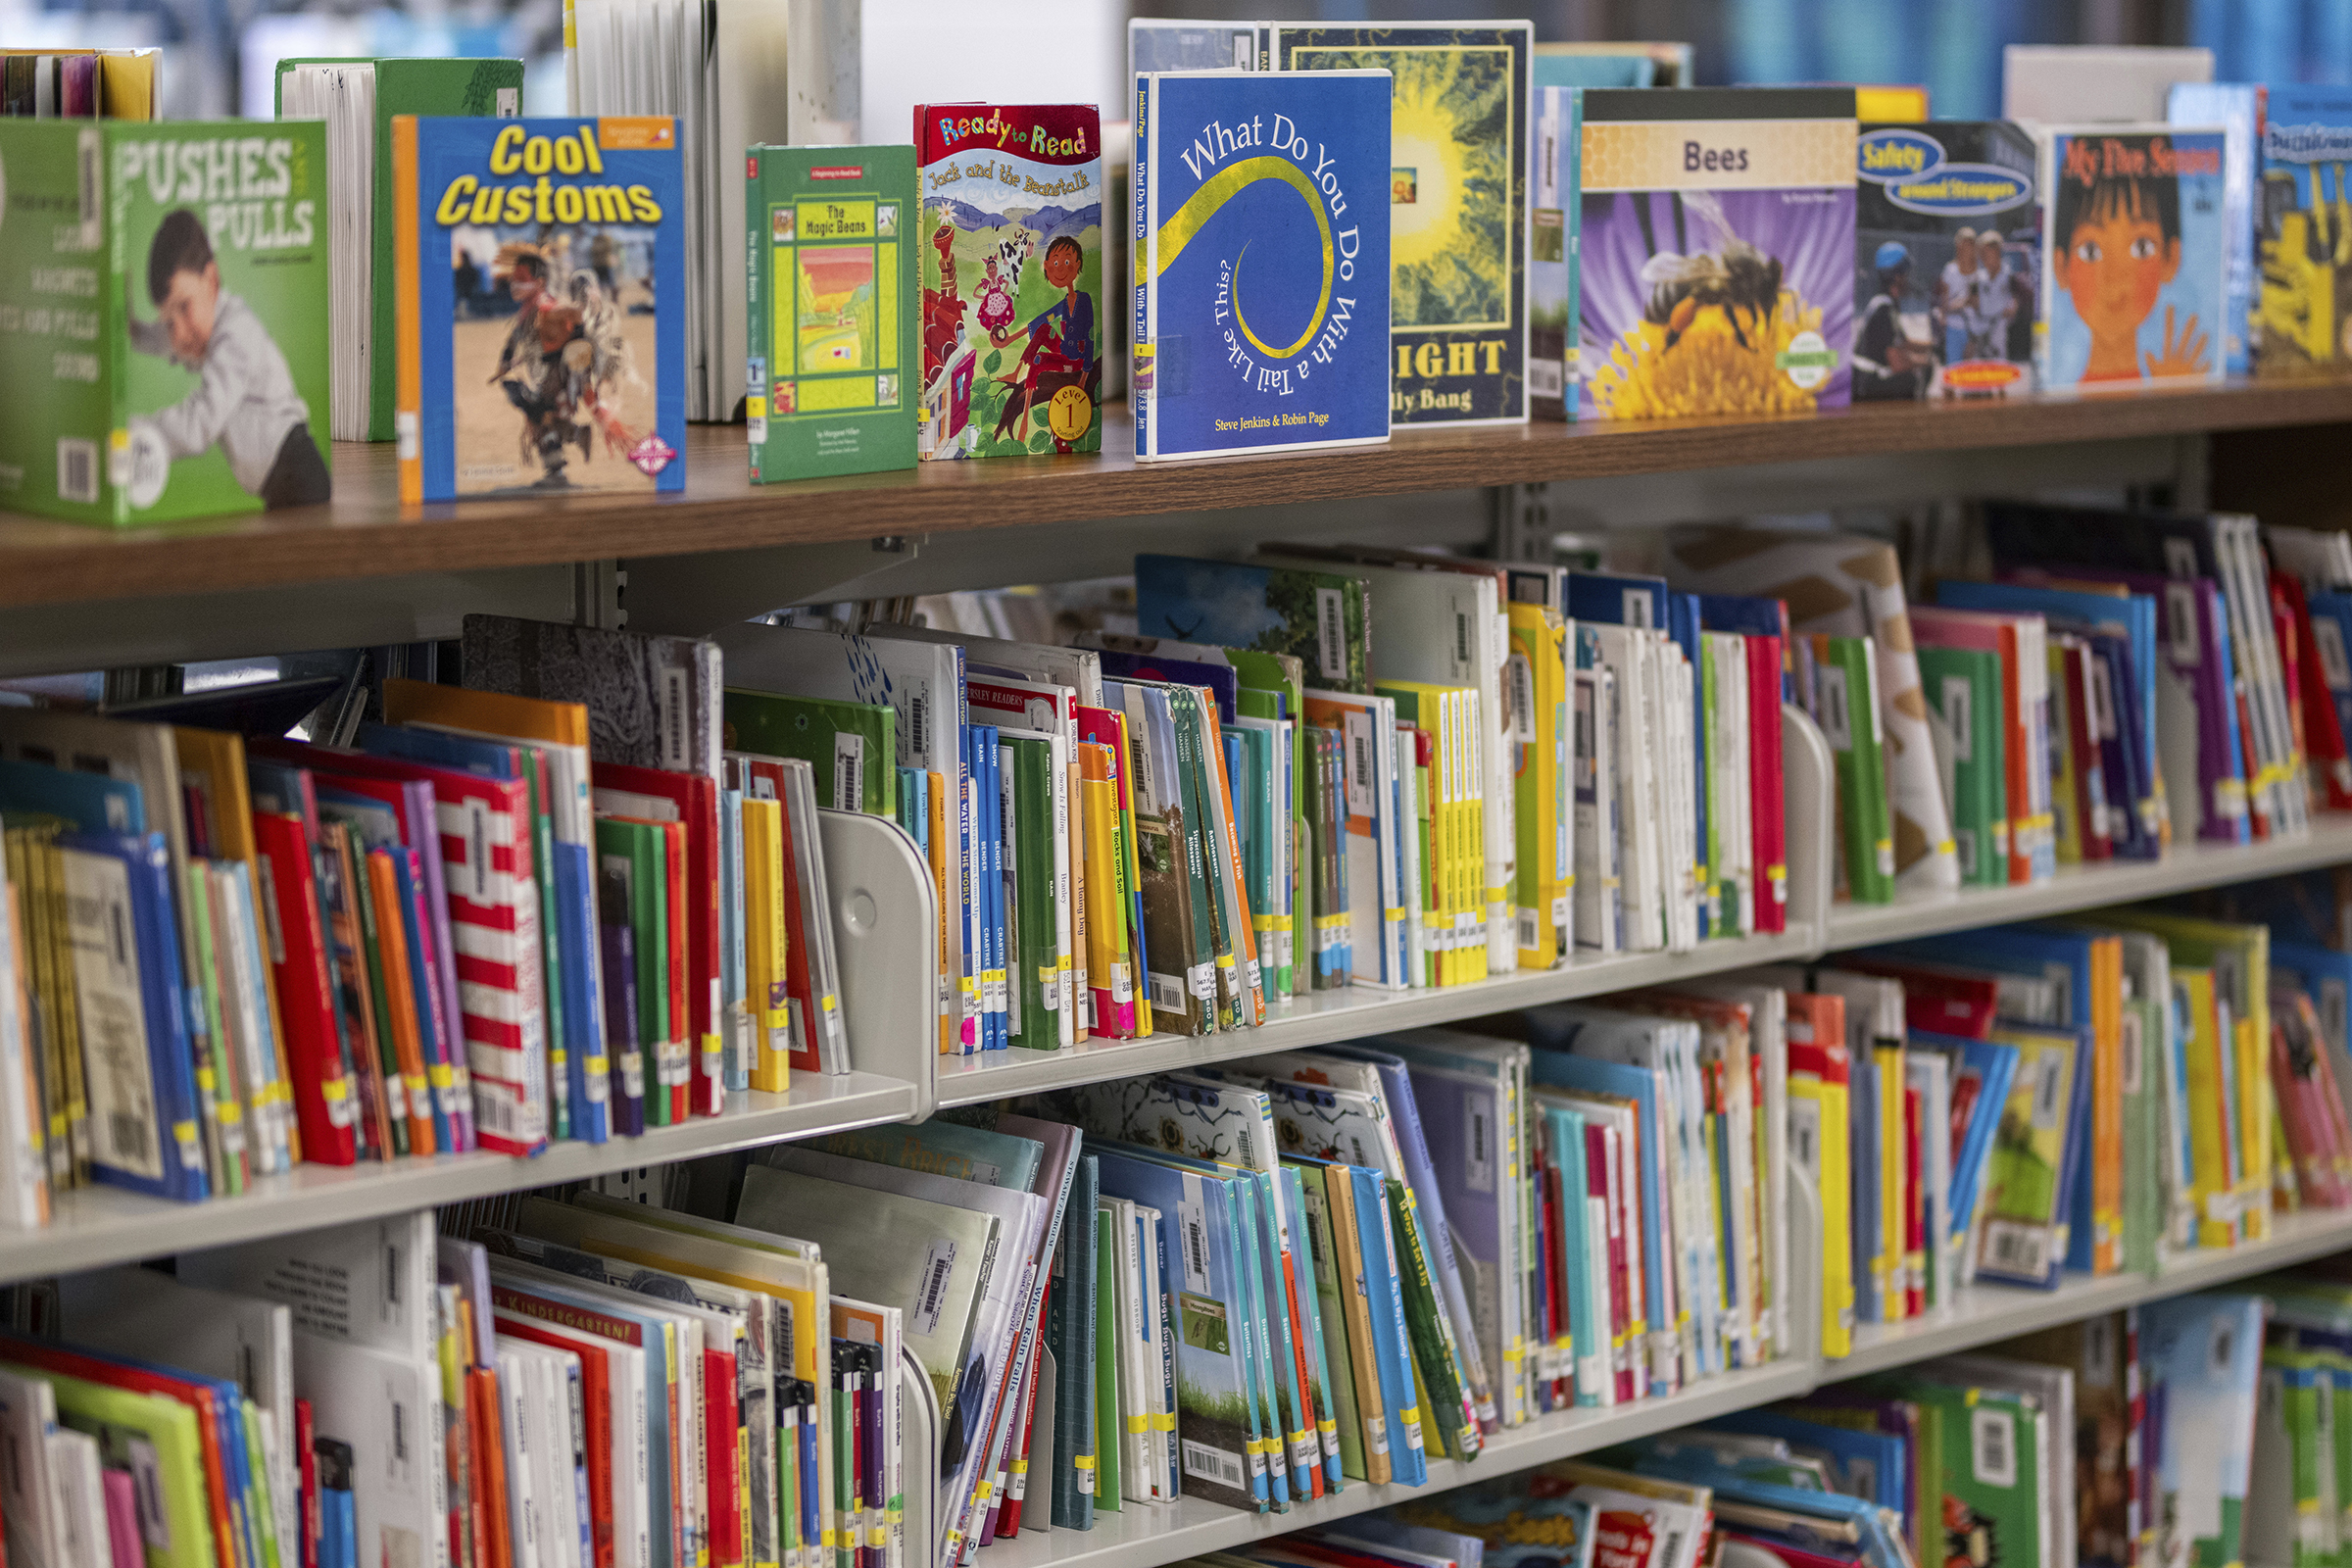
(619, 945)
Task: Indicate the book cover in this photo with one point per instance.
(2240, 107)
(1946, 232)
(182, 270)
(828, 371)
(1292, 166)
(2302, 302)
(2135, 270)
(2201, 1359)
(483, 88)
(539, 269)
(1716, 251)
(1458, 207)
(1554, 218)
(1012, 278)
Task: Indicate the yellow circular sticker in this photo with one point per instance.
(1070, 412)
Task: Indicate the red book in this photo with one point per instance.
(596, 1395)
(722, 1451)
(324, 1104)
(1915, 1228)
(692, 800)
(2321, 728)
(2076, 667)
(763, 780)
(307, 1462)
(1768, 824)
(1937, 1000)
(1600, 1145)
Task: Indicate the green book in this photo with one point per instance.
(1339, 1372)
(1204, 853)
(1106, 1364)
(307, 89)
(1434, 1356)
(171, 282)
(2292, 1505)
(1988, 1445)
(834, 364)
(850, 746)
(633, 857)
(1964, 685)
(1027, 787)
(1846, 680)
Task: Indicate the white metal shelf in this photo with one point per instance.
(96, 1226)
(1147, 1535)
(1326, 1017)
(2187, 868)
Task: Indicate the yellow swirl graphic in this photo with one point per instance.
(1220, 188)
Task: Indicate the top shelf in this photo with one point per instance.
(365, 532)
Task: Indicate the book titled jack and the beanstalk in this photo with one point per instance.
(1261, 241)
(834, 369)
(163, 295)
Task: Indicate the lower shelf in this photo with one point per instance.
(1145, 1534)
(100, 1225)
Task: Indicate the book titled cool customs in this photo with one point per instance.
(1262, 301)
(1716, 256)
(540, 308)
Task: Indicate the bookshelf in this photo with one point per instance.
(364, 569)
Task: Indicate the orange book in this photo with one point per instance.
(421, 702)
(1244, 937)
(495, 1542)
(399, 1001)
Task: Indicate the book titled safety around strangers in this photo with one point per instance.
(540, 276)
(1262, 301)
(163, 318)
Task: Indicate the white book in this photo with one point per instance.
(1408, 852)
(387, 1406)
(30, 1508)
(519, 1432)
(1042, 708)
(1930, 1073)
(1625, 652)
(631, 1443)
(1768, 1044)
(1678, 800)
(1593, 790)
(1375, 900)
(76, 1472)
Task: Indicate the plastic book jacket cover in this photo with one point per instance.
(1261, 305)
(829, 373)
(2134, 272)
(1716, 255)
(2303, 315)
(166, 288)
(540, 312)
(1457, 208)
(1947, 253)
(1011, 252)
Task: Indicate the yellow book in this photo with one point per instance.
(1893, 1181)
(2254, 1115)
(2212, 1184)
(950, 1013)
(1534, 685)
(1470, 926)
(1110, 973)
(766, 936)
(1081, 926)
(2106, 1152)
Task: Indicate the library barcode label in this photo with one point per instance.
(78, 470)
(1213, 1464)
(931, 1291)
(1992, 1446)
(2025, 1248)
(1167, 992)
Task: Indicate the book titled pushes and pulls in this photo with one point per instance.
(1261, 300)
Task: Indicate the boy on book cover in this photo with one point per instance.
(565, 364)
(2135, 222)
(245, 400)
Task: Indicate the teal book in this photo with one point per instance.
(831, 374)
(168, 286)
(1963, 686)
(358, 98)
(849, 744)
(1553, 209)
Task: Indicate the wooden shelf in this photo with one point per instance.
(366, 532)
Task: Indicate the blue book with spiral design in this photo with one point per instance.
(1262, 284)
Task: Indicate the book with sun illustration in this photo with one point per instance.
(833, 357)
(1261, 297)
(540, 305)
(1010, 245)
(1716, 251)
(1459, 141)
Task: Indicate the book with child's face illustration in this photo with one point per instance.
(2134, 264)
(172, 285)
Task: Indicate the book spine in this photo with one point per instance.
(1140, 363)
(408, 395)
(756, 310)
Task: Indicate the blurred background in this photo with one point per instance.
(221, 55)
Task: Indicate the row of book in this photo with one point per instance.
(549, 905)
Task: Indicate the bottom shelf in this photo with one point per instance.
(1146, 1533)
(95, 1226)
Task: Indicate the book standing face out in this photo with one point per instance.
(833, 354)
(2134, 265)
(539, 315)
(183, 271)
(1716, 250)
(1011, 237)
(1458, 207)
(1272, 176)
(1947, 240)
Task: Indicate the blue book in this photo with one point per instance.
(408, 877)
(1302, 1443)
(2331, 632)
(1553, 217)
(1217, 1406)
(1870, 1465)
(732, 963)
(1870, 1264)
(1749, 617)
(1587, 1331)
(152, 1143)
(1289, 351)
(1250, 1267)
(1614, 599)
(1070, 1336)
(1392, 1344)
(1982, 1072)
(2296, 210)
(1318, 1333)
(91, 802)
(2237, 108)
(583, 385)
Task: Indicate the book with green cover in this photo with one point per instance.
(632, 858)
(1338, 1371)
(1070, 1330)
(318, 89)
(1204, 848)
(1027, 788)
(182, 269)
(834, 364)
(1846, 701)
(1322, 618)
(1964, 685)
(155, 1438)
(2291, 1507)
(1108, 1498)
(849, 745)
